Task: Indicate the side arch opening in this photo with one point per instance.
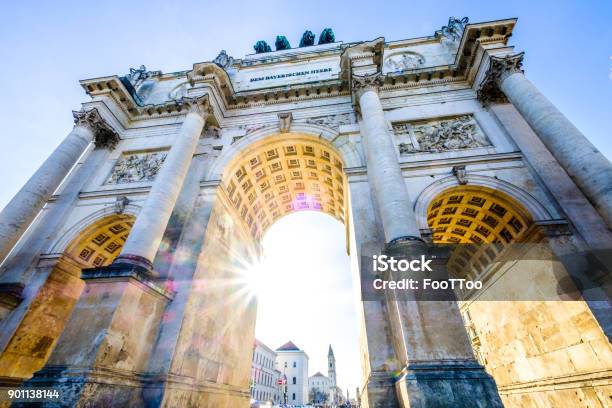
(522, 330)
(32, 343)
(489, 220)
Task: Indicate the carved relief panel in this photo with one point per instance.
(401, 62)
(454, 133)
(136, 167)
(333, 121)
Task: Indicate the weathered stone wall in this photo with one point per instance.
(218, 326)
(377, 358)
(108, 338)
(549, 353)
(541, 353)
(34, 339)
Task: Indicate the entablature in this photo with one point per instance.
(402, 65)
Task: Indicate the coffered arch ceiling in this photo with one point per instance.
(283, 174)
(100, 243)
(487, 219)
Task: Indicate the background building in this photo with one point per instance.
(264, 375)
(324, 389)
(319, 387)
(335, 394)
(293, 362)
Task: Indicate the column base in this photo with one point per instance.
(379, 391)
(99, 358)
(104, 387)
(454, 384)
(100, 387)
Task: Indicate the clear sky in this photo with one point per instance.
(305, 293)
(46, 47)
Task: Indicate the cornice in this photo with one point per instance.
(417, 164)
(368, 49)
(113, 87)
(405, 83)
(93, 194)
(209, 74)
(474, 35)
(290, 94)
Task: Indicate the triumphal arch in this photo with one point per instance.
(124, 254)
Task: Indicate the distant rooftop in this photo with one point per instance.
(259, 343)
(289, 346)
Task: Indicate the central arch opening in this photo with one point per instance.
(305, 295)
(288, 193)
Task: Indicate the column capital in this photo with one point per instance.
(200, 105)
(499, 69)
(361, 84)
(104, 135)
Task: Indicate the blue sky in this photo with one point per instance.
(46, 47)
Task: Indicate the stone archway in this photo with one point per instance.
(512, 338)
(261, 183)
(31, 344)
(477, 215)
(345, 147)
(537, 211)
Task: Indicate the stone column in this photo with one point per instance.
(23, 208)
(428, 338)
(589, 169)
(380, 363)
(384, 173)
(116, 321)
(182, 272)
(23, 269)
(146, 234)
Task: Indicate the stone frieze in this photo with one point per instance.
(438, 135)
(136, 167)
(333, 121)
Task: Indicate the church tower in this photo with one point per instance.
(331, 366)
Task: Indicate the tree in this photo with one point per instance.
(318, 396)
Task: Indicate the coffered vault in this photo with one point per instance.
(280, 175)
